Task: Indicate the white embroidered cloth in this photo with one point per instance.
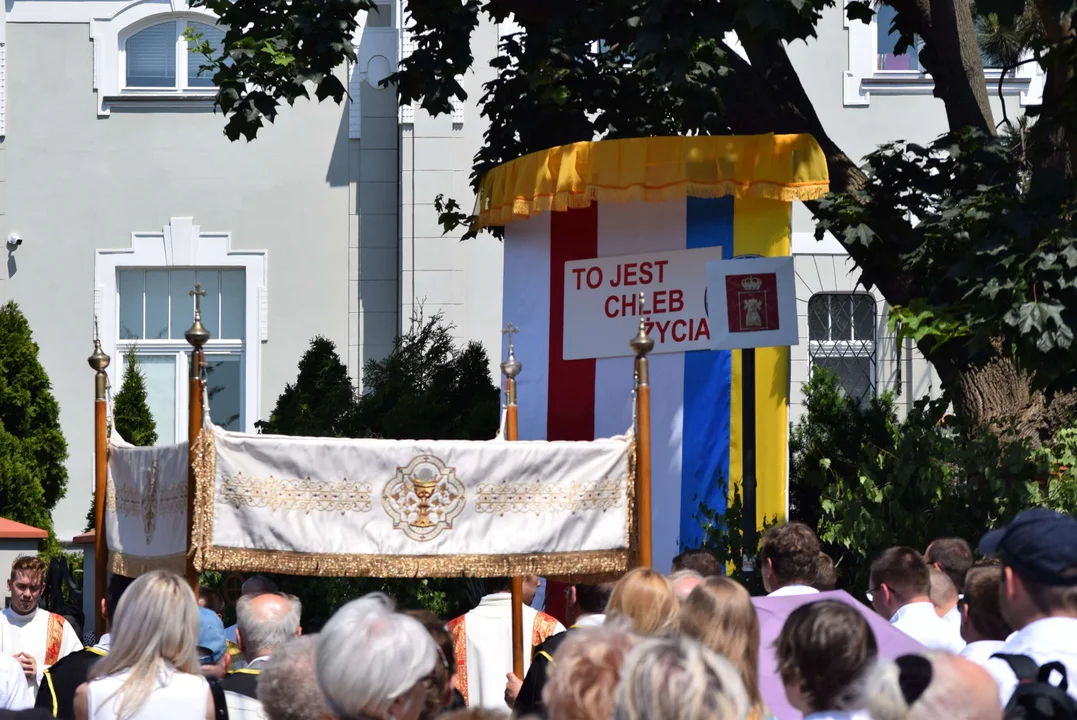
(412, 507)
(146, 507)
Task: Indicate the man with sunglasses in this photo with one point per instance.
(32, 635)
(901, 592)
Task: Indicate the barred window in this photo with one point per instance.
(841, 337)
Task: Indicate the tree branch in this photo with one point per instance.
(952, 55)
(779, 104)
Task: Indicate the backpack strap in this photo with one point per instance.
(220, 704)
(1024, 667)
(1048, 668)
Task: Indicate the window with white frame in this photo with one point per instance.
(161, 56)
(155, 308)
(841, 338)
(886, 57)
(876, 68)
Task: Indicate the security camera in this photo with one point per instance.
(14, 240)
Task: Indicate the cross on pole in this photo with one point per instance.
(511, 367)
(510, 331)
(198, 293)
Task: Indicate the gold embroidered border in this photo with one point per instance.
(204, 463)
(129, 502)
(295, 494)
(135, 565)
(596, 565)
(597, 562)
(505, 497)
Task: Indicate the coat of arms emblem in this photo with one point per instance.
(752, 302)
(423, 498)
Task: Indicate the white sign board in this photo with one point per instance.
(752, 302)
(602, 302)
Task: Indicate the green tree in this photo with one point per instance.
(321, 402)
(131, 414)
(33, 477)
(630, 68)
(866, 481)
(427, 388)
(130, 410)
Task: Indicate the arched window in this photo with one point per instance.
(160, 56)
(841, 338)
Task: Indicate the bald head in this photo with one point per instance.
(943, 591)
(684, 582)
(265, 622)
(955, 688)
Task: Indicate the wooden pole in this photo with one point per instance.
(197, 336)
(511, 368)
(99, 361)
(641, 344)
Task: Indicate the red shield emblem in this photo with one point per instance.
(752, 302)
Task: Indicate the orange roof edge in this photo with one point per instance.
(11, 530)
(85, 538)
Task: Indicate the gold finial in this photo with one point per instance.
(511, 367)
(99, 360)
(197, 335)
(641, 344)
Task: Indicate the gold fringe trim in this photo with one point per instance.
(595, 563)
(204, 462)
(562, 201)
(135, 565)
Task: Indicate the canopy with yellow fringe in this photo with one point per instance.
(655, 169)
(610, 212)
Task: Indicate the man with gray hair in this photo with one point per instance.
(684, 582)
(396, 653)
(931, 686)
(264, 623)
(288, 688)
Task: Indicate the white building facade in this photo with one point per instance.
(115, 171)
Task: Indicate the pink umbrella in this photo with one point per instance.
(773, 611)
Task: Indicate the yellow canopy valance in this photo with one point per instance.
(655, 169)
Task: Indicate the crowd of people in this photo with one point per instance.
(991, 638)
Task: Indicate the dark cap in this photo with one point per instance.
(1040, 544)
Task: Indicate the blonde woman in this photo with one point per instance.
(647, 599)
(719, 613)
(152, 669)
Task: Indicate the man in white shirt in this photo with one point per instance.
(1038, 595)
(900, 591)
(789, 560)
(952, 556)
(945, 598)
(36, 638)
(482, 642)
(982, 624)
